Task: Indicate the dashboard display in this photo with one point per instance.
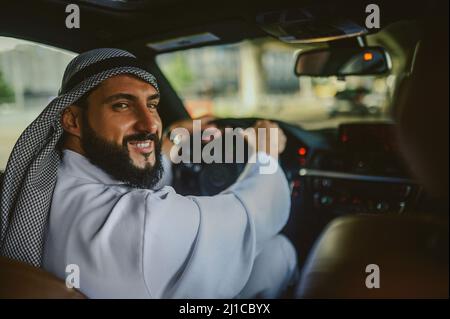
(368, 137)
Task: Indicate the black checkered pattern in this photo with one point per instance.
(30, 174)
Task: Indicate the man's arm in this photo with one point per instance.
(205, 246)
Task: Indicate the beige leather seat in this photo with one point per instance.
(20, 280)
(411, 255)
(411, 251)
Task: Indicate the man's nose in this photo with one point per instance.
(147, 121)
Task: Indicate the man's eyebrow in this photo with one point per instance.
(119, 96)
(128, 96)
(153, 97)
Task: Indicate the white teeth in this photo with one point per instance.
(143, 145)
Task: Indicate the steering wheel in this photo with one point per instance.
(207, 179)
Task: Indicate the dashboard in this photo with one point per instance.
(352, 169)
(355, 168)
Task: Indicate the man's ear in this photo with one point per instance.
(71, 120)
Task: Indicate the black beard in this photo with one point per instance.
(115, 159)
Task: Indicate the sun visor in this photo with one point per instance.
(183, 42)
(306, 26)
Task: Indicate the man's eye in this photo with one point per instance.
(120, 106)
(152, 106)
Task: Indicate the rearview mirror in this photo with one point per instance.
(343, 62)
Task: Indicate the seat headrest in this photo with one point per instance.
(422, 105)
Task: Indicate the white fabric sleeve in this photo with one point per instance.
(204, 247)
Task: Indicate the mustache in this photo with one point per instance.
(141, 137)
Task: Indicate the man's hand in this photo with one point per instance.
(187, 124)
(264, 143)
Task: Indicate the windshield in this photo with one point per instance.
(256, 79)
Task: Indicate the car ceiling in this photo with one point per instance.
(131, 28)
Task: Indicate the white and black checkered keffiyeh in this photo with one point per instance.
(30, 175)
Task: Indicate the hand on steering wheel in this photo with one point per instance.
(211, 178)
(264, 143)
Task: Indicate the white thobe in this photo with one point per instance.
(136, 243)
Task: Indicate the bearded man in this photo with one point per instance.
(83, 187)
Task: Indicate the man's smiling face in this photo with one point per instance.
(123, 110)
(117, 127)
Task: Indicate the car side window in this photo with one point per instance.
(30, 77)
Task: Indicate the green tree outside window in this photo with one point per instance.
(6, 91)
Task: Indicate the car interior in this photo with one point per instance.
(364, 110)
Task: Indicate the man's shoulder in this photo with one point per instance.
(84, 186)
